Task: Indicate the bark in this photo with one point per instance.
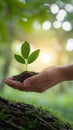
(21, 116)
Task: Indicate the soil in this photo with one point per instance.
(22, 76)
(21, 116)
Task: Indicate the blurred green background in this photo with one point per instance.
(46, 25)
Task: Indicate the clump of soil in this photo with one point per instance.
(22, 76)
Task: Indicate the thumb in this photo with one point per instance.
(29, 81)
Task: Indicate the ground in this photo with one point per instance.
(20, 116)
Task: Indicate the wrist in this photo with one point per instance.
(66, 72)
(63, 76)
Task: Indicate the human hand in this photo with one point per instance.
(38, 83)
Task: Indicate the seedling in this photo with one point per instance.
(26, 57)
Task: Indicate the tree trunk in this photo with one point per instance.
(20, 116)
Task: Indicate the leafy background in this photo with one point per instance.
(47, 25)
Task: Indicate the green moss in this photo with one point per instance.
(3, 115)
(22, 116)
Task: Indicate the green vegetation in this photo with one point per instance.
(26, 57)
(3, 115)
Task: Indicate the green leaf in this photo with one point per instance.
(33, 56)
(25, 49)
(19, 59)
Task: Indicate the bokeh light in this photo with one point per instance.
(69, 7)
(57, 24)
(69, 45)
(46, 25)
(54, 8)
(22, 1)
(36, 25)
(61, 15)
(67, 26)
(25, 19)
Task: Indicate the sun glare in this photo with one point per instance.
(45, 57)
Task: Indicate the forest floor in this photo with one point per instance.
(20, 116)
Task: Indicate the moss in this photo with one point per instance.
(20, 116)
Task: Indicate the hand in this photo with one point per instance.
(38, 83)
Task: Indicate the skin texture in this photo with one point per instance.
(46, 79)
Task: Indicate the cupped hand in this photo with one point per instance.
(38, 83)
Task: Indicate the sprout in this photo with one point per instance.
(25, 57)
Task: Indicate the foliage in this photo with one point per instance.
(26, 57)
(19, 15)
(3, 115)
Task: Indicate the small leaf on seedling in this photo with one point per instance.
(19, 59)
(25, 49)
(25, 57)
(33, 56)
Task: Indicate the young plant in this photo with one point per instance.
(25, 57)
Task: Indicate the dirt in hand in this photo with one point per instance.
(24, 75)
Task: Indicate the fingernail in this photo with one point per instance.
(27, 83)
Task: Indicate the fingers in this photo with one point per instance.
(29, 81)
(34, 80)
(14, 84)
(40, 87)
(17, 85)
(37, 83)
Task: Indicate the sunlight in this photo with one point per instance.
(46, 25)
(69, 46)
(45, 57)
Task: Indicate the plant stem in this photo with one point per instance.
(26, 64)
